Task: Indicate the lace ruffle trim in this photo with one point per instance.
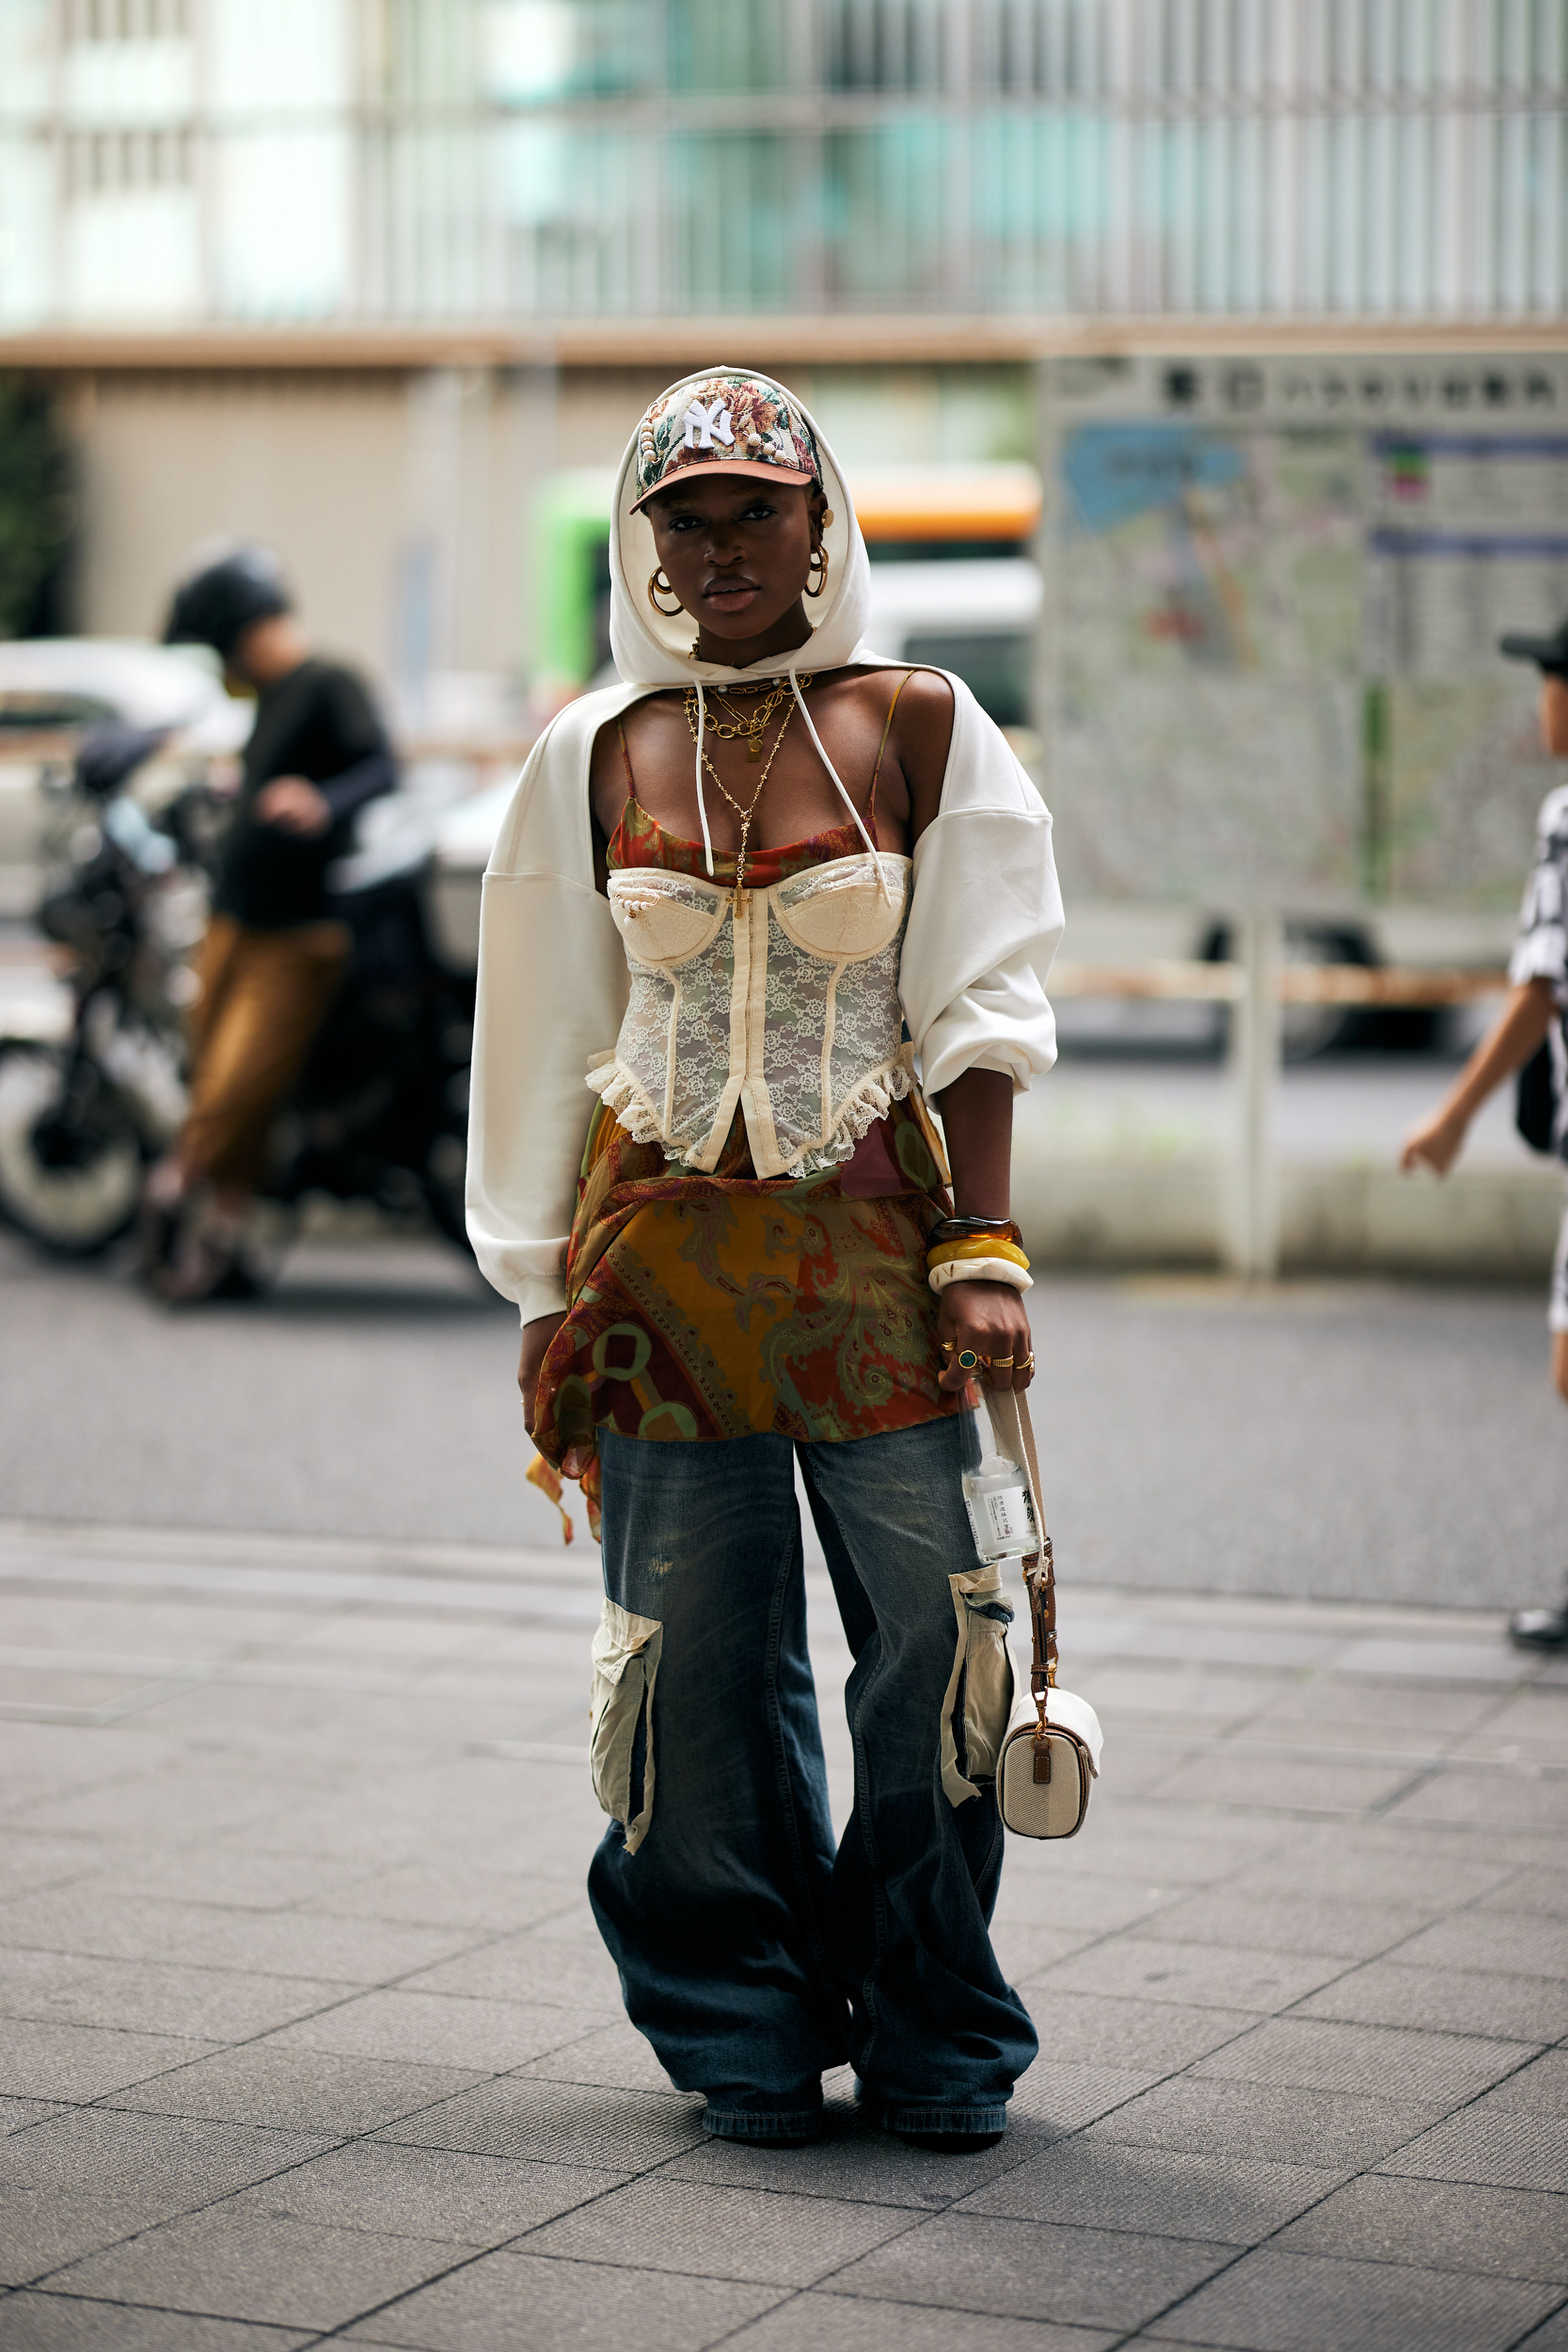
(858, 1114)
(871, 1100)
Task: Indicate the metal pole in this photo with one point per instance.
(1252, 1238)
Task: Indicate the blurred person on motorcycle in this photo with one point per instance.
(1536, 1015)
(275, 951)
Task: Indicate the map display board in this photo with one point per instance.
(1275, 592)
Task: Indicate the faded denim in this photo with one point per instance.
(751, 1956)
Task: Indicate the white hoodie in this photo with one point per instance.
(985, 917)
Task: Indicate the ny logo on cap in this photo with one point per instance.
(704, 424)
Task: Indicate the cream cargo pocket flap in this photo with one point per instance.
(625, 1667)
(981, 1681)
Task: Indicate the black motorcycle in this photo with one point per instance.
(380, 1113)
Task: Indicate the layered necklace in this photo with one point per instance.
(748, 727)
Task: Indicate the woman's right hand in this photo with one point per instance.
(537, 1335)
(1437, 1143)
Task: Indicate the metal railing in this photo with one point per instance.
(1257, 985)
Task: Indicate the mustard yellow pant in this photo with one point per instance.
(262, 997)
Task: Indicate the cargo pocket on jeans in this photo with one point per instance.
(979, 1695)
(625, 1667)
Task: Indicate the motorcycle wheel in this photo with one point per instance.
(71, 1157)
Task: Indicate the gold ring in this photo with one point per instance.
(1028, 1365)
(950, 1347)
(968, 1360)
(1001, 1363)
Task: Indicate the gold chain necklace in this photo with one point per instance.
(745, 815)
(745, 727)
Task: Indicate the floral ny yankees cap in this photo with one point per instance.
(723, 423)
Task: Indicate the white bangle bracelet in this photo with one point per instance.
(980, 1270)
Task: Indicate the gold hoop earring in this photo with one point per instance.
(656, 582)
(819, 557)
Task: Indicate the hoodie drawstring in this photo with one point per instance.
(870, 845)
(701, 804)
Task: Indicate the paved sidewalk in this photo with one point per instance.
(309, 2035)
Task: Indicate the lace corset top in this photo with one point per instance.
(780, 1000)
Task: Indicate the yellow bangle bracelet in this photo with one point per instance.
(975, 1245)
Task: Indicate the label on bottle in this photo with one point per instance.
(1009, 1515)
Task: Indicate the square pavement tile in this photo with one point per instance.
(1538, 2089)
(1446, 2000)
(765, 2238)
(1327, 1785)
(64, 2323)
(1494, 2146)
(1550, 2337)
(1340, 2130)
(1053, 2099)
(1304, 2303)
(440, 2029)
(17, 2114)
(529, 1967)
(424, 2193)
(148, 1996)
(819, 2321)
(540, 2122)
(315, 1944)
(454, 1895)
(1440, 2225)
(283, 2272)
(28, 1864)
(1101, 2184)
(1492, 1803)
(1317, 2054)
(1143, 1968)
(89, 2178)
(1342, 1931)
(611, 2055)
(83, 2062)
(1051, 1901)
(517, 2303)
(1017, 2269)
(1497, 1942)
(1538, 1893)
(857, 2163)
(313, 2091)
(1131, 2036)
(1366, 1863)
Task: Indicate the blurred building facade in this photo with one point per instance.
(358, 274)
(392, 160)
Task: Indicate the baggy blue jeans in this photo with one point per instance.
(751, 1955)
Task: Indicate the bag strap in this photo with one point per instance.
(1009, 1412)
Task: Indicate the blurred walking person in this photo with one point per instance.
(742, 1261)
(275, 951)
(1534, 1016)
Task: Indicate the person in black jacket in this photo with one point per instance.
(275, 951)
(1534, 1015)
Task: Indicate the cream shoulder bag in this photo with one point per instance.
(1050, 1752)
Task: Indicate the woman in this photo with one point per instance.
(744, 896)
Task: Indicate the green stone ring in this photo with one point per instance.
(968, 1360)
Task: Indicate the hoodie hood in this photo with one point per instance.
(650, 650)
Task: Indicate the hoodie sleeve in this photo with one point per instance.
(552, 988)
(985, 917)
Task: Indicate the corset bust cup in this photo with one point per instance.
(788, 1007)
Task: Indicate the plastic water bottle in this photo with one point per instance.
(996, 1489)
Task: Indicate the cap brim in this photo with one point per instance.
(730, 465)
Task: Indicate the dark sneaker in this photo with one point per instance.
(1540, 1629)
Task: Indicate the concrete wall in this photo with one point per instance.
(396, 499)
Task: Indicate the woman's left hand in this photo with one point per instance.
(990, 1318)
